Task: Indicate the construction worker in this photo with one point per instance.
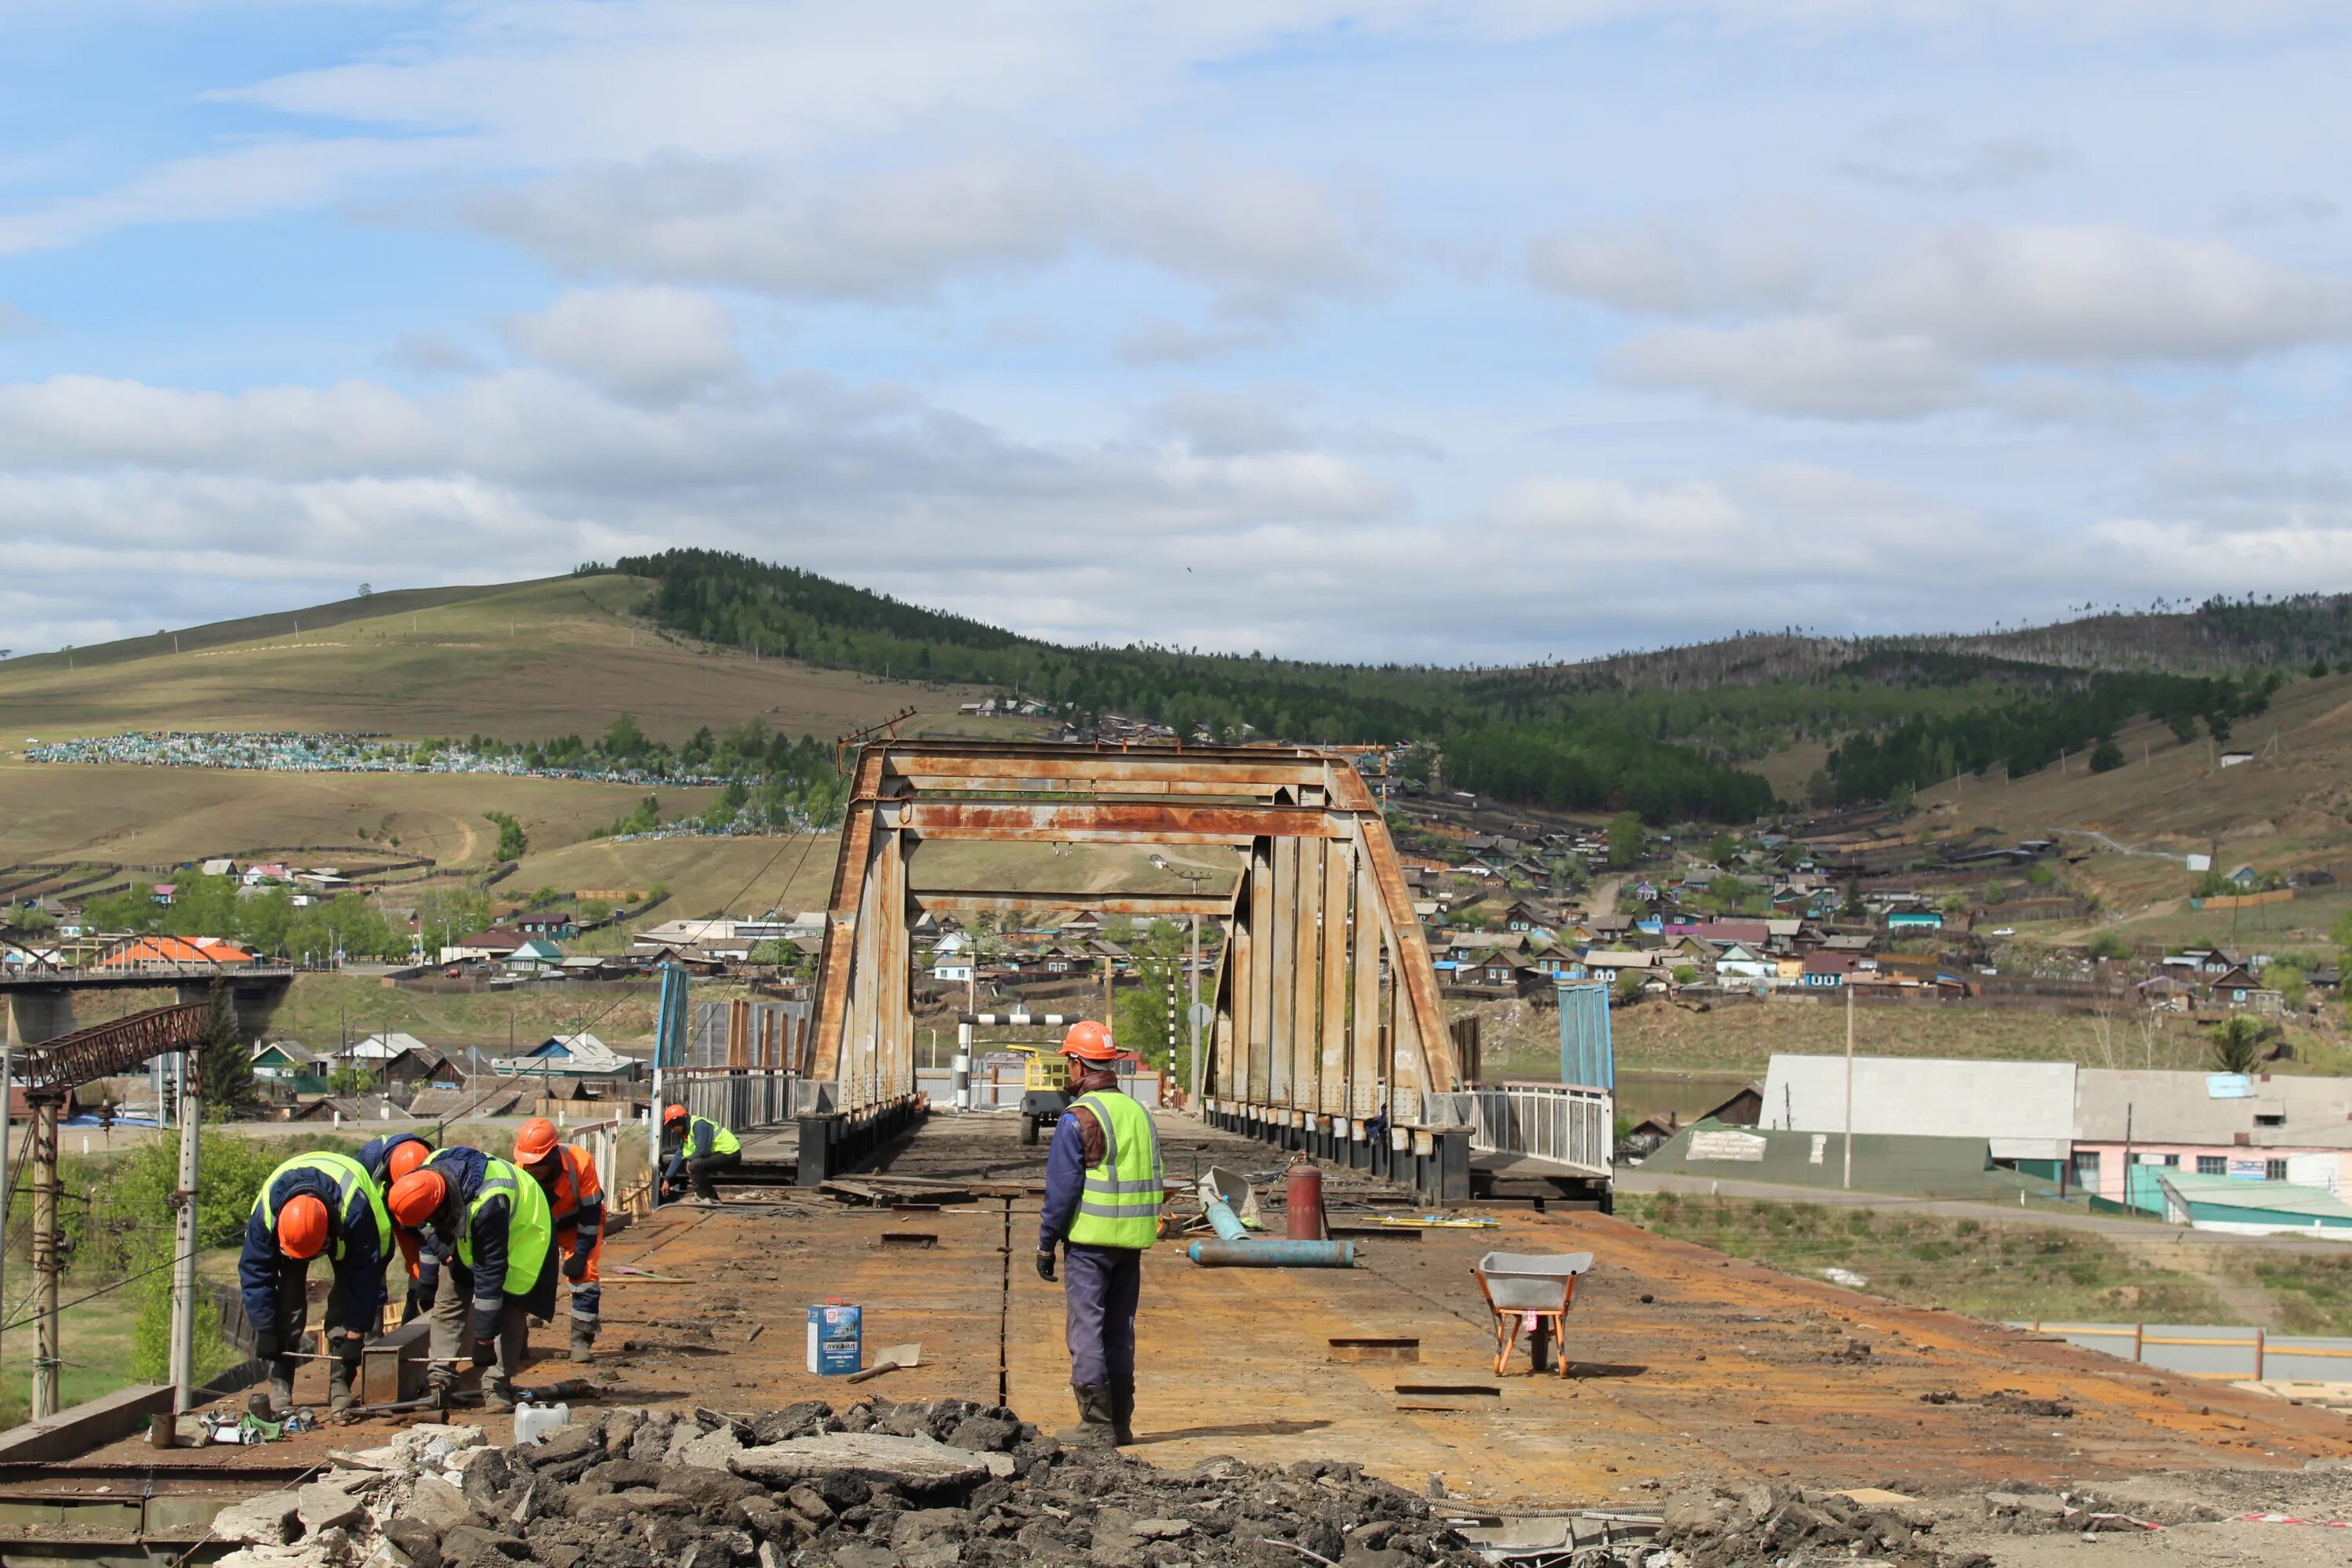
(315, 1203)
(575, 1202)
(387, 1160)
(700, 1149)
(1103, 1192)
(489, 1224)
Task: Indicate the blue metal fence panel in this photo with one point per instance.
(1587, 1056)
(670, 1031)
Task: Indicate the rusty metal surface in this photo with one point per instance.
(106, 1051)
(1157, 904)
(1725, 1371)
(1110, 822)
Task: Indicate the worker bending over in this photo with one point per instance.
(387, 1160)
(575, 1202)
(700, 1149)
(1103, 1191)
(488, 1225)
(315, 1203)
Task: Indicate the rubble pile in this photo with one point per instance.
(1783, 1527)
(925, 1485)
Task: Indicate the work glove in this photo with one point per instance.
(575, 1267)
(419, 1302)
(348, 1350)
(1045, 1264)
(485, 1331)
(266, 1344)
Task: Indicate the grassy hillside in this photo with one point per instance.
(530, 661)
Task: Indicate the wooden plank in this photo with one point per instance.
(1364, 1071)
(1306, 984)
(1331, 1074)
(1261, 986)
(1282, 948)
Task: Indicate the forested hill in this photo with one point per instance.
(1558, 758)
(1662, 733)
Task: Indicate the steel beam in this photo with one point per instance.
(1077, 822)
(958, 901)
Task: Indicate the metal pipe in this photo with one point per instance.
(1270, 1252)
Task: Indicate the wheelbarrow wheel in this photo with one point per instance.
(1540, 1345)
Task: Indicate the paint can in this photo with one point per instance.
(835, 1338)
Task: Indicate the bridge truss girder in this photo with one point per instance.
(1325, 1006)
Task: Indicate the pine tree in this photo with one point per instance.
(227, 1069)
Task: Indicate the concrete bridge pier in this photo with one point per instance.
(35, 1016)
(256, 1000)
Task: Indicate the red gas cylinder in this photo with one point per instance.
(1305, 1201)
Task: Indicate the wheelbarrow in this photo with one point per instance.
(1530, 1292)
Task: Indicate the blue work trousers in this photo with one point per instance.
(1100, 1286)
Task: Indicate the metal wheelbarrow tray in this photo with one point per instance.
(1532, 1292)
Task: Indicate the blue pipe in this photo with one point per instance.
(1222, 1217)
(1271, 1252)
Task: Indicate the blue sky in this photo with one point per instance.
(1476, 331)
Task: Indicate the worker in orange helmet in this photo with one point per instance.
(575, 1201)
(387, 1160)
(489, 1224)
(315, 1205)
(1103, 1192)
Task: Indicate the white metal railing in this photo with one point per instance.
(736, 1097)
(1561, 1123)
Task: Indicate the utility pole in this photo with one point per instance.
(184, 1259)
(1849, 1083)
(44, 1106)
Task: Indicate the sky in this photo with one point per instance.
(1474, 332)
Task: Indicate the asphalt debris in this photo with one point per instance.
(921, 1484)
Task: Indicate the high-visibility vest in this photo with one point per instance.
(721, 1140)
(574, 1183)
(1121, 1205)
(349, 1175)
(529, 1230)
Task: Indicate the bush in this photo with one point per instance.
(2106, 757)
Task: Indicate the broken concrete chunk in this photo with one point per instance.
(628, 1505)
(709, 1452)
(322, 1505)
(438, 1506)
(2024, 1502)
(271, 1519)
(470, 1546)
(1162, 1529)
(912, 1462)
(418, 1544)
(574, 1441)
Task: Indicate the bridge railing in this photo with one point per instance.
(1562, 1123)
(40, 972)
(737, 1098)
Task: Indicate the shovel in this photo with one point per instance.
(890, 1360)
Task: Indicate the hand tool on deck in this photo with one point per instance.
(890, 1360)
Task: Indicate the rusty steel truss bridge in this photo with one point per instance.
(1326, 1034)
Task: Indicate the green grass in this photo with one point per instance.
(2010, 1272)
(2314, 1293)
(95, 1338)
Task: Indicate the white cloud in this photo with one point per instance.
(640, 342)
(2098, 294)
(896, 233)
(1765, 256)
(1800, 366)
(1921, 155)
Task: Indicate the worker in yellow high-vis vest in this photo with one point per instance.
(487, 1223)
(1103, 1191)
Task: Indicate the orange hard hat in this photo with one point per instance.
(406, 1155)
(535, 1142)
(673, 1113)
(1089, 1041)
(417, 1196)
(302, 1227)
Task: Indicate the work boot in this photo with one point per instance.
(1122, 1410)
(497, 1396)
(441, 1388)
(1095, 1428)
(339, 1388)
(583, 1338)
(281, 1386)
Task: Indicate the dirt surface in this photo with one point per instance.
(1688, 1370)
